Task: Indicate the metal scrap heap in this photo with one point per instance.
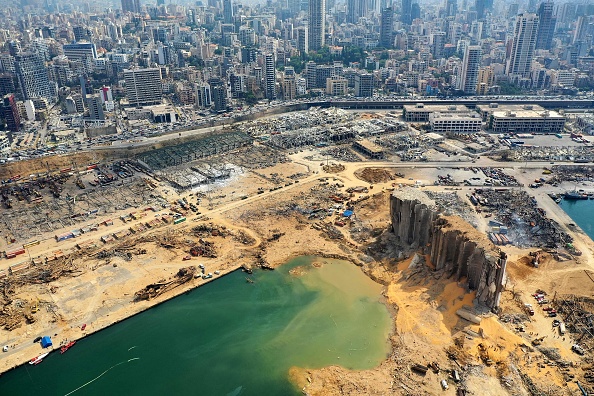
(527, 224)
(153, 290)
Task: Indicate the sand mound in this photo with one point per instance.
(375, 175)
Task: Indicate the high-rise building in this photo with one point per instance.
(406, 11)
(95, 107)
(143, 86)
(310, 74)
(438, 40)
(218, 92)
(7, 83)
(81, 33)
(479, 7)
(451, 8)
(468, 77)
(80, 51)
(415, 11)
(317, 24)
(203, 97)
(351, 8)
(581, 29)
(228, 11)
(32, 76)
(336, 86)
(486, 79)
(294, 6)
(513, 10)
(10, 113)
(364, 85)
(289, 86)
(386, 28)
(131, 6)
(566, 13)
(269, 77)
(247, 36)
(546, 25)
(523, 45)
(303, 40)
(106, 94)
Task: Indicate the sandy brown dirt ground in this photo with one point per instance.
(55, 163)
(426, 328)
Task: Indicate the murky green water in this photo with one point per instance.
(229, 337)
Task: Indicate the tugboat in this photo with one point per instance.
(67, 346)
(36, 360)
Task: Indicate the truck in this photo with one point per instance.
(562, 329)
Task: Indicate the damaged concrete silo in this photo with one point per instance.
(452, 244)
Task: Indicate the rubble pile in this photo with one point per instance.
(205, 230)
(578, 315)
(398, 142)
(527, 225)
(203, 249)
(341, 153)
(333, 168)
(256, 157)
(499, 177)
(156, 289)
(244, 238)
(576, 173)
(451, 204)
(328, 229)
(12, 317)
(551, 153)
(376, 175)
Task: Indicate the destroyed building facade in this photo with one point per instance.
(452, 244)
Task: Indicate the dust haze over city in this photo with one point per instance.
(324, 198)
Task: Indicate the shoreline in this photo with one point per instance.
(154, 303)
(182, 289)
(392, 310)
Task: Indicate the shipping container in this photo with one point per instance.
(180, 220)
(15, 252)
(63, 237)
(32, 243)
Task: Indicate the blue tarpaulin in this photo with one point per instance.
(46, 342)
(347, 213)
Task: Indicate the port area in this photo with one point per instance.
(275, 204)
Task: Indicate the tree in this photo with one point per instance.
(509, 89)
(249, 98)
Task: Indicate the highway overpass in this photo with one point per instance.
(552, 104)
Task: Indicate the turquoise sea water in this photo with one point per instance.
(582, 213)
(228, 337)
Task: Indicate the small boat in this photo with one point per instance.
(38, 359)
(67, 346)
